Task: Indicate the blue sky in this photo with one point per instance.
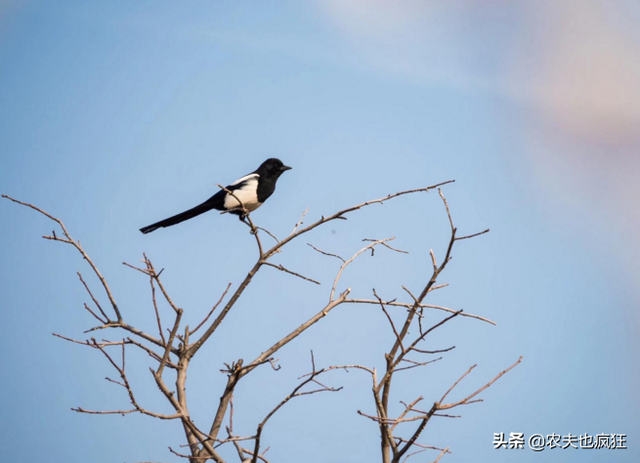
(114, 115)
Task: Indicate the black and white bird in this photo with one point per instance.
(252, 190)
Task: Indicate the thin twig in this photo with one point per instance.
(351, 259)
(286, 270)
(387, 246)
(212, 310)
(393, 326)
(153, 299)
(326, 253)
(467, 399)
(299, 221)
(75, 244)
(269, 233)
(340, 214)
(416, 364)
(295, 393)
(426, 306)
(94, 315)
(473, 235)
(95, 301)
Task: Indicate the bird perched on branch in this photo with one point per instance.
(242, 196)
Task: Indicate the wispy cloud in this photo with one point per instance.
(574, 66)
(572, 59)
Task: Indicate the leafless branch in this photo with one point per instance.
(239, 371)
(437, 406)
(125, 384)
(426, 306)
(351, 259)
(260, 457)
(167, 351)
(416, 364)
(264, 256)
(387, 246)
(326, 253)
(156, 276)
(345, 368)
(393, 361)
(94, 315)
(269, 233)
(299, 221)
(153, 299)
(104, 412)
(190, 457)
(70, 240)
(441, 455)
(393, 326)
(286, 270)
(95, 301)
(105, 343)
(203, 446)
(295, 393)
(467, 399)
(407, 408)
(473, 235)
(212, 310)
(340, 214)
(86, 342)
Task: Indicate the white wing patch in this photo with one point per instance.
(248, 194)
(246, 177)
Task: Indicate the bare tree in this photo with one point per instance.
(175, 345)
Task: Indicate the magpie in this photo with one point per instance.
(252, 190)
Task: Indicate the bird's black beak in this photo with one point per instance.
(284, 168)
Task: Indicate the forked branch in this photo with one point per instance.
(405, 352)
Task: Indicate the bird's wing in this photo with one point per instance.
(242, 181)
(245, 190)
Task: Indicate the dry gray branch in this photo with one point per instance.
(203, 446)
(215, 306)
(425, 306)
(295, 393)
(75, 244)
(286, 270)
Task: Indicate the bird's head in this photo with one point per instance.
(272, 167)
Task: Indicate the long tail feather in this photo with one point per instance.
(186, 215)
